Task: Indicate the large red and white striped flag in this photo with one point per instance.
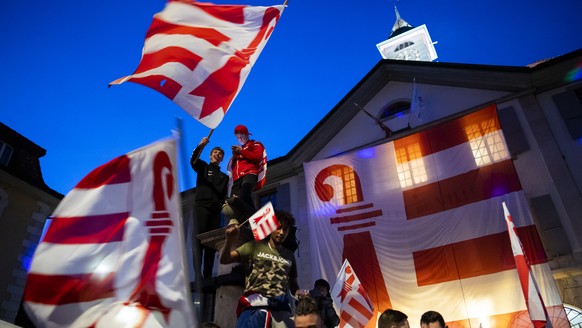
(199, 54)
(263, 222)
(349, 294)
(531, 292)
(417, 218)
(113, 253)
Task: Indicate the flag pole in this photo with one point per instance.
(386, 129)
(198, 155)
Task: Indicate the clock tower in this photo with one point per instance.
(407, 42)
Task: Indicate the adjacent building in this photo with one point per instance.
(25, 203)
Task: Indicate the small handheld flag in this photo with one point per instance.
(264, 222)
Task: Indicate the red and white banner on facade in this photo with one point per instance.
(199, 54)
(113, 253)
(418, 219)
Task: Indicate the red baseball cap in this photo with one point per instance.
(241, 129)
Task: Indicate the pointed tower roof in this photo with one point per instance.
(400, 26)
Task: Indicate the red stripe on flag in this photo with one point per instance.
(354, 208)
(492, 180)
(67, 289)
(475, 257)
(168, 55)
(96, 229)
(112, 172)
(157, 223)
(348, 319)
(357, 226)
(451, 134)
(210, 35)
(360, 308)
(356, 217)
(229, 13)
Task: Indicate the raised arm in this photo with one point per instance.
(196, 153)
(226, 254)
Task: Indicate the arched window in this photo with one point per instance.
(395, 109)
(403, 45)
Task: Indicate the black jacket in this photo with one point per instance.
(211, 183)
(326, 311)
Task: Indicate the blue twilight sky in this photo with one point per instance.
(56, 59)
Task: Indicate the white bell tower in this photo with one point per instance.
(407, 42)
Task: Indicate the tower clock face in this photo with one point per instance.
(408, 54)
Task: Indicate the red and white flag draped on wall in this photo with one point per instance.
(417, 218)
(533, 300)
(349, 294)
(113, 253)
(263, 222)
(199, 54)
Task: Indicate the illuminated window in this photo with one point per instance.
(345, 185)
(486, 142)
(411, 168)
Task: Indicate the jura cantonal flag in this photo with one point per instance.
(535, 304)
(355, 306)
(113, 253)
(199, 54)
(263, 222)
(418, 220)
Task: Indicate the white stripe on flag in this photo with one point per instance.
(106, 199)
(75, 259)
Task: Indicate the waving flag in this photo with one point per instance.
(531, 292)
(355, 306)
(263, 222)
(112, 255)
(200, 54)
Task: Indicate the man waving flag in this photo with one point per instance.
(200, 54)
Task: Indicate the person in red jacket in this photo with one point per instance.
(247, 167)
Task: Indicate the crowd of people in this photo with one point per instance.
(271, 296)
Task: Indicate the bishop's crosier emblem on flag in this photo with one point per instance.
(199, 54)
(113, 253)
(264, 222)
(355, 306)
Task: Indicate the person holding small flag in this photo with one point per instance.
(271, 276)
